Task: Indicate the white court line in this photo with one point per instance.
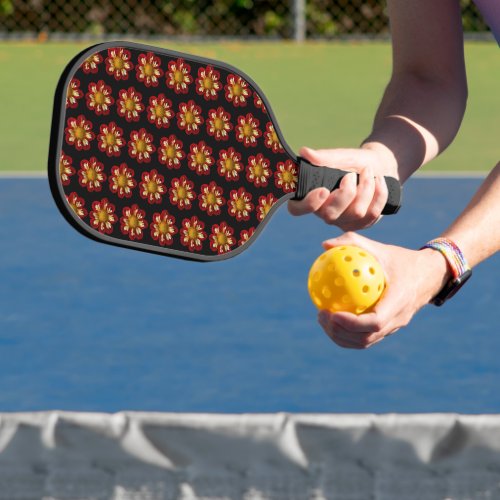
(454, 174)
(12, 174)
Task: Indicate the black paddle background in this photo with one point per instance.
(89, 197)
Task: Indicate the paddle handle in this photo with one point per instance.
(312, 177)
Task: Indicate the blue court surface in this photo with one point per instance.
(92, 327)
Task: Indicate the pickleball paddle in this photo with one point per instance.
(172, 153)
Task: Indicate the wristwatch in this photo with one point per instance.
(460, 270)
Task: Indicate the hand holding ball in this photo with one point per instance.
(346, 278)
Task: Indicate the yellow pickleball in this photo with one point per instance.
(346, 278)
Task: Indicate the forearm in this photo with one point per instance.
(424, 103)
(477, 230)
(416, 120)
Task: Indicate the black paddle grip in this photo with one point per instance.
(312, 177)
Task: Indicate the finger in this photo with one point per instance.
(380, 196)
(338, 201)
(338, 334)
(311, 203)
(362, 340)
(365, 191)
(362, 324)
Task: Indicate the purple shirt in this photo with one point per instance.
(490, 9)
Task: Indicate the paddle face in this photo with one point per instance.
(166, 152)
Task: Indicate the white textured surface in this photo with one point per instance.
(160, 456)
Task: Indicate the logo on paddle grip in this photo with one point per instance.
(312, 177)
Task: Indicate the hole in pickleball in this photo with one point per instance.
(372, 270)
(327, 293)
(317, 301)
(330, 268)
(379, 287)
(336, 306)
(316, 276)
(348, 258)
(360, 309)
(346, 299)
(356, 273)
(362, 254)
(339, 281)
(366, 289)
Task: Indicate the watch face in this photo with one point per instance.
(451, 288)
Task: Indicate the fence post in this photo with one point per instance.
(299, 20)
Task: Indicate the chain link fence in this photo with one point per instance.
(284, 19)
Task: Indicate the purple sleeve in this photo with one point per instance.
(490, 9)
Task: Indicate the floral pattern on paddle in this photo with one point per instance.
(170, 151)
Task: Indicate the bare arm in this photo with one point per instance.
(424, 102)
(477, 229)
(418, 117)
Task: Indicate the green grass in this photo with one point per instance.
(323, 94)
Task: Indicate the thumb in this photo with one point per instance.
(349, 238)
(338, 158)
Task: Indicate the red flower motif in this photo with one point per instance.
(73, 93)
(240, 204)
(265, 204)
(121, 181)
(129, 105)
(133, 222)
(258, 170)
(102, 216)
(90, 64)
(189, 117)
(163, 228)
(245, 235)
(229, 164)
(77, 204)
(160, 111)
(170, 152)
(79, 133)
(140, 145)
(271, 139)
(237, 90)
(118, 63)
(178, 76)
(211, 199)
(99, 98)
(222, 239)
(286, 176)
(110, 139)
(148, 69)
(200, 158)
(192, 234)
(66, 169)
(208, 83)
(219, 124)
(181, 192)
(152, 187)
(258, 102)
(247, 130)
(91, 174)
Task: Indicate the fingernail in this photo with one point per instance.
(323, 194)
